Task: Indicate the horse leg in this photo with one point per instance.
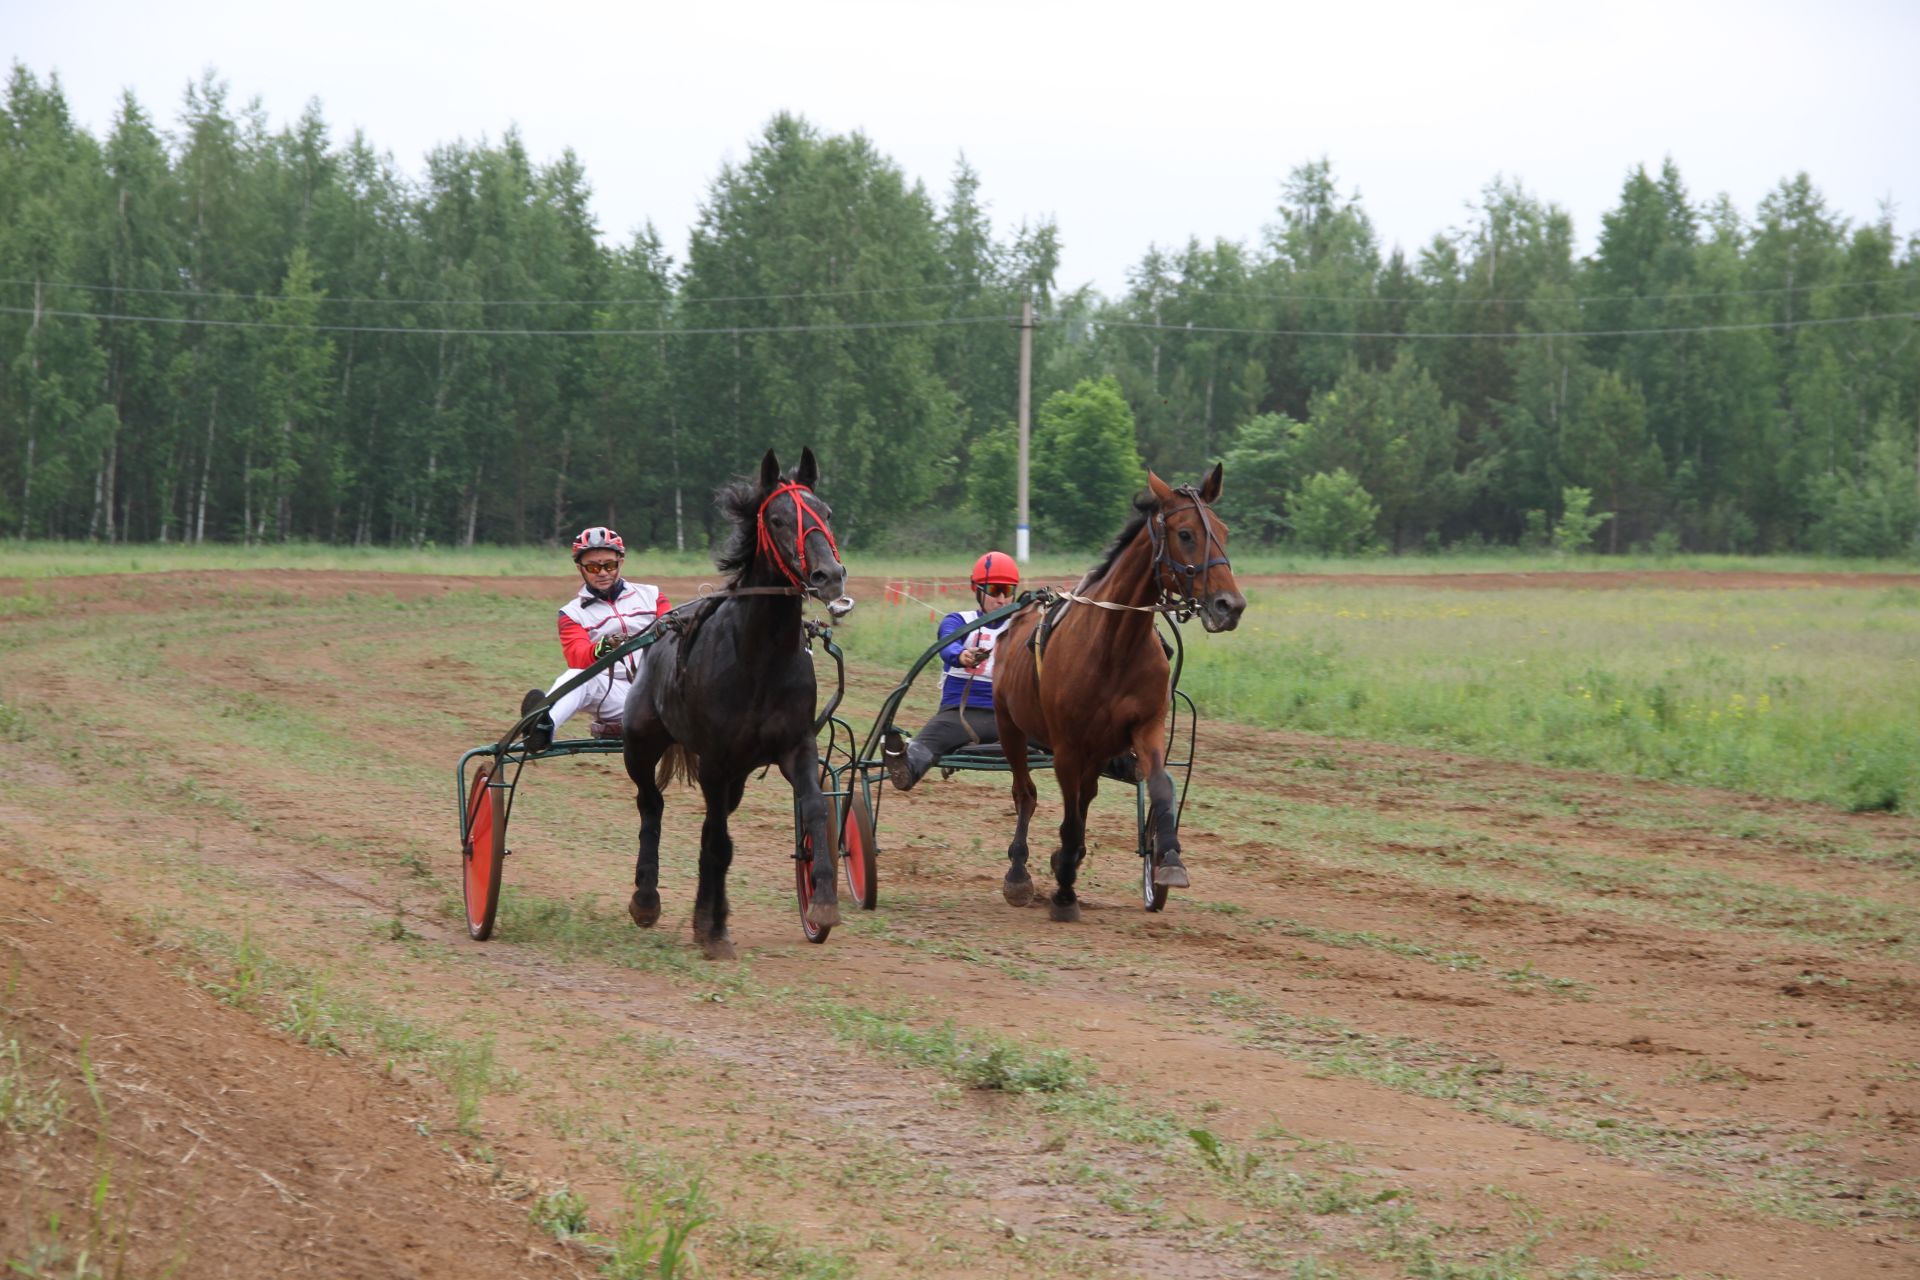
(1149, 744)
(1078, 785)
(644, 906)
(643, 741)
(1017, 888)
(802, 768)
(716, 856)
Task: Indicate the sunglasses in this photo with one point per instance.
(600, 566)
(999, 589)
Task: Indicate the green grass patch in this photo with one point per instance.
(653, 1238)
(31, 1105)
(1792, 693)
(984, 1062)
(1759, 1171)
(44, 1093)
(1803, 694)
(1465, 961)
(36, 558)
(774, 1252)
(240, 972)
(46, 559)
(1447, 855)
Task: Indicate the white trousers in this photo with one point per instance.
(605, 695)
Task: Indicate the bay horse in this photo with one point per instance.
(1088, 680)
(729, 688)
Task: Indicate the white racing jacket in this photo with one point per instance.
(586, 619)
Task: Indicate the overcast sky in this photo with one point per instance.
(1129, 124)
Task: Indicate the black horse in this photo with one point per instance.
(729, 688)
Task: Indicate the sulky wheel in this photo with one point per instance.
(803, 888)
(482, 852)
(858, 852)
(1152, 896)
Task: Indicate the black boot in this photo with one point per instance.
(895, 751)
(539, 736)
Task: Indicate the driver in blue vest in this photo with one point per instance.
(966, 695)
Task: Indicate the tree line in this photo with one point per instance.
(224, 332)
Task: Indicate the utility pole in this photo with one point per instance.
(1021, 547)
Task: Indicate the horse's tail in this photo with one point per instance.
(676, 759)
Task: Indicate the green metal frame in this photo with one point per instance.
(510, 753)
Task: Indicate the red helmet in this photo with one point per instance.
(598, 538)
(996, 568)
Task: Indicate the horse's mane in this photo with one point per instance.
(739, 498)
(1144, 505)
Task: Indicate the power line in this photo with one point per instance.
(1564, 333)
(943, 322)
(1589, 300)
(677, 300)
(830, 326)
(685, 300)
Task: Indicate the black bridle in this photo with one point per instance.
(1179, 581)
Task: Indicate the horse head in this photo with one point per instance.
(1190, 551)
(791, 529)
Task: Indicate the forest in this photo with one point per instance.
(215, 331)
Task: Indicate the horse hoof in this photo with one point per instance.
(1173, 876)
(645, 914)
(822, 914)
(1064, 912)
(719, 949)
(1018, 893)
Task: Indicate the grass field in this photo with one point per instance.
(1423, 1014)
(1805, 694)
(1801, 694)
(40, 559)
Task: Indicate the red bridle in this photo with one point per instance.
(802, 513)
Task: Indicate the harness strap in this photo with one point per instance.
(686, 619)
(1053, 610)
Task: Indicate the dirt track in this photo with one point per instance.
(1433, 1011)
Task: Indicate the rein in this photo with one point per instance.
(973, 739)
(763, 536)
(708, 593)
(1161, 607)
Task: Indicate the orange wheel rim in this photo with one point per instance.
(479, 851)
(853, 842)
(803, 890)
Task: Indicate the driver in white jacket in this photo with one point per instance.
(606, 611)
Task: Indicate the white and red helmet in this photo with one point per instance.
(598, 538)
